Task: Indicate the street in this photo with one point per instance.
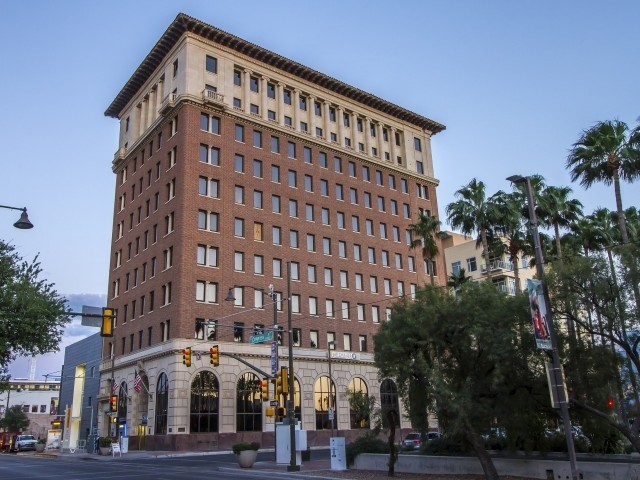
(94, 467)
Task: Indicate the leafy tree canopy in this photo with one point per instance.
(14, 420)
(32, 313)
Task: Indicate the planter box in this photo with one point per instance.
(247, 458)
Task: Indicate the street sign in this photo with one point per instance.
(274, 358)
(331, 414)
(261, 338)
(273, 403)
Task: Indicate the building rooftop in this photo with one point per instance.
(186, 24)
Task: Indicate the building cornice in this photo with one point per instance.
(184, 24)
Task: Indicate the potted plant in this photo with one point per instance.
(105, 445)
(247, 453)
(40, 446)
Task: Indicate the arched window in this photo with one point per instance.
(359, 403)
(248, 404)
(322, 403)
(205, 395)
(389, 401)
(162, 404)
(122, 401)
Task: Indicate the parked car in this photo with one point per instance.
(412, 441)
(24, 442)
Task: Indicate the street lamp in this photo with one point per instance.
(90, 436)
(330, 346)
(18, 390)
(23, 223)
(558, 385)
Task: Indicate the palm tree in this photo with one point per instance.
(607, 152)
(423, 235)
(472, 212)
(558, 210)
(456, 281)
(508, 224)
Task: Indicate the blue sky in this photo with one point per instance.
(514, 82)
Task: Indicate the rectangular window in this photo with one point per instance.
(291, 150)
(258, 264)
(239, 133)
(293, 208)
(293, 239)
(311, 242)
(303, 103)
(211, 64)
(417, 144)
(293, 178)
(326, 246)
(276, 266)
(257, 139)
(288, 121)
(325, 215)
(286, 96)
(206, 292)
(238, 163)
(346, 338)
(207, 256)
(254, 109)
(276, 235)
(254, 84)
(328, 277)
(337, 164)
(275, 173)
(239, 195)
(311, 274)
(275, 204)
(308, 183)
(340, 220)
(357, 252)
(328, 308)
(307, 155)
(271, 115)
(271, 90)
(207, 221)
(323, 160)
(472, 266)
(313, 338)
(308, 209)
(359, 282)
(257, 199)
(275, 144)
(313, 306)
(238, 227)
(238, 261)
(324, 188)
(342, 249)
(237, 77)
(346, 310)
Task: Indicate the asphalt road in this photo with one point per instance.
(28, 467)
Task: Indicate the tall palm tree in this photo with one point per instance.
(472, 212)
(423, 234)
(508, 224)
(559, 210)
(588, 234)
(607, 152)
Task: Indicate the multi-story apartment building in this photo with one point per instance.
(37, 398)
(463, 252)
(236, 165)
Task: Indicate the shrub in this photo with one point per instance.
(368, 443)
(42, 441)
(443, 446)
(106, 442)
(242, 446)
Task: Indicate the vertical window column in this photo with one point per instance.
(246, 89)
(264, 109)
(340, 123)
(325, 116)
(367, 135)
(311, 108)
(379, 141)
(280, 102)
(354, 131)
(392, 144)
(153, 102)
(296, 106)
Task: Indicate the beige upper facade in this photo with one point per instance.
(268, 89)
(461, 251)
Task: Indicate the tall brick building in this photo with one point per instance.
(234, 162)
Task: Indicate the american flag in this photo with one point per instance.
(114, 387)
(137, 382)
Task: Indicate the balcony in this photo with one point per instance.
(211, 97)
(168, 103)
(497, 266)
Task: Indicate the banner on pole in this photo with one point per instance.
(539, 314)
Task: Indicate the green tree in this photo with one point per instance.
(32, 313)
(472, 213)
(14, 420)
(559, 211)
(424, 237)
(607, 152)
(470, 361)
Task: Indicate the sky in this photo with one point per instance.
(515, 83)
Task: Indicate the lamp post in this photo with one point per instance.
(293, 465)
(330, 346)
(23, 223)
(18, 390)
(558, 385)
(90, 436)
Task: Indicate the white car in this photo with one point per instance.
(24, 442)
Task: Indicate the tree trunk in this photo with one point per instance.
(516, 273)
(621, 218)
(486, 462)
(392, 418)
(485, 251)
(556, 231)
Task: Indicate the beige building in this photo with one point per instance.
(462, 252)
(233, 163)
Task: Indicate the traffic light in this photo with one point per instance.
(215, 356)
(610, 402)
(284, 379)
(108, 317)
(264, 387)
(279, 387)
(186, 356)
(113, 403)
